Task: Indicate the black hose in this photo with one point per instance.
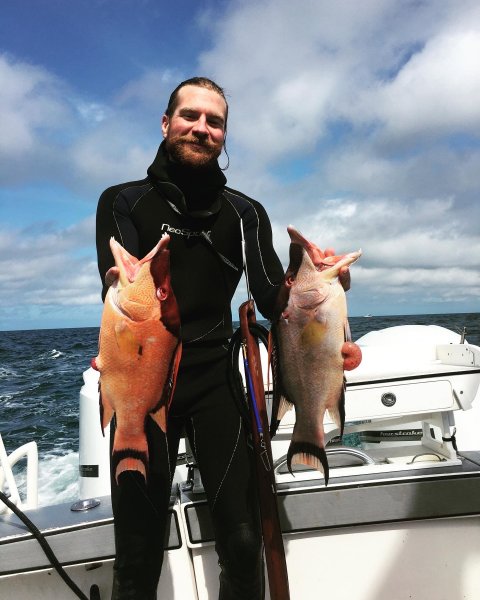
(38, 535)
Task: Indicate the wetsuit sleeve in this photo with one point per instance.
(113, 220)
(265, 271)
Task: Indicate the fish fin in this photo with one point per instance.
(129, 459)
(284, 406)
(160, 417)
(309, 454)
(160, 412)
(106, 410)
(177, 357)
(347, 332)
(280, 403)
(337, 413)
(126, 339)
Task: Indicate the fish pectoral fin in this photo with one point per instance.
(126, 339)
(310, 299)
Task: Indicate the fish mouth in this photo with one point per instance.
(297, 238)
(332, 264)
(128, 265)
(329, 265)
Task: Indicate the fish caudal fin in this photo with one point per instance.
(130, 453)
(129, 459)
(305, 453)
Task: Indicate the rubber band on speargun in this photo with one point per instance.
(248, 376)
(251, 390)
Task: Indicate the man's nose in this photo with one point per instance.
(200, 126)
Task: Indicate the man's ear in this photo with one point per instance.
(165, 125)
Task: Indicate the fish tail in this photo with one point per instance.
(129, 460)
(309, 454)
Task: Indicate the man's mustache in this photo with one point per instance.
(198, 141)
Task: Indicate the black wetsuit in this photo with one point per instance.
(203, 218)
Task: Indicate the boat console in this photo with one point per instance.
(401, 403)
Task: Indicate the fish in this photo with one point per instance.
(139, 351)
(310, 349)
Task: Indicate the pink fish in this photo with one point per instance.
(312, 348)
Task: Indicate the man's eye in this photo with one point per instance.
(217, 123)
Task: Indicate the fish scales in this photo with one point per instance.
(312, 348)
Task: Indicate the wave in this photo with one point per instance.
(6, 373)
(58, 479)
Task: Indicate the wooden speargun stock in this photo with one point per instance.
(271, 530)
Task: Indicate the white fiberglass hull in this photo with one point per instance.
(403, 524)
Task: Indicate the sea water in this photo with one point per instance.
(41, 376)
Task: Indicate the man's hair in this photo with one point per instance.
(203, 82)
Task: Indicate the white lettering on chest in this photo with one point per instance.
(188, 233)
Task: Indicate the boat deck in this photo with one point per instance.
(305, 505)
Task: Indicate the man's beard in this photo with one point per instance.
(192, 152)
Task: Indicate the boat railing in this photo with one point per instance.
(29, 452)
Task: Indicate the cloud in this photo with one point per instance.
(50, 131)
(396, 69)
(356, 122)
(44, 265)
(434, 94)
(30, 105)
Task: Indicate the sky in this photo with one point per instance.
(356, 121)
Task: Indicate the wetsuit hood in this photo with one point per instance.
(191, 192)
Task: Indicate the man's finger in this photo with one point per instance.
(344, 278)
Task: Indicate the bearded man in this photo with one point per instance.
(185, 195)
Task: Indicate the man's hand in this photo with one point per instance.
(112, 275)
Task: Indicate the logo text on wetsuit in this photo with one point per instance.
(186, 232)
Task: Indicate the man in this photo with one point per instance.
(185, 194)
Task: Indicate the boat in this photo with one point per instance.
(400, 517)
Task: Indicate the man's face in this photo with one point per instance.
(195, 132)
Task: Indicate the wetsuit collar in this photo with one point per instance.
(190, 192)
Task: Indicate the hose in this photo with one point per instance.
(38, 535)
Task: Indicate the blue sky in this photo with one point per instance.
(357, 122)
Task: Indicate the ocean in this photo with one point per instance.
(41, 376)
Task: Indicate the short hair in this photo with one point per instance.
(203, 82)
